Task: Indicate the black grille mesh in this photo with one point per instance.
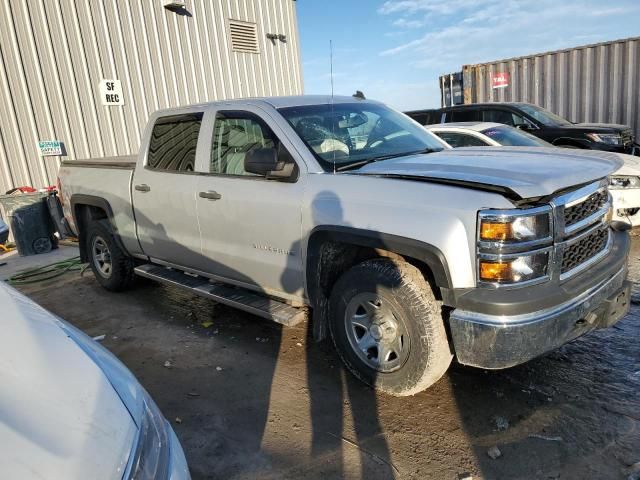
(582, 210)
(584, 249)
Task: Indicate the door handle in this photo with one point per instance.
(143, 188)
(210, 195)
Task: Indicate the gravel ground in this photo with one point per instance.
(249, 399)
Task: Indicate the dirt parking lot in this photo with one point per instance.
(249, 399)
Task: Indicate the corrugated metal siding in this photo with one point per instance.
(53, 54)
(593, 83)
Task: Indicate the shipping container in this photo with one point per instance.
(591, 83)
(80, 79)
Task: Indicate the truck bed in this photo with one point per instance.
(124, 161)
(102, 179)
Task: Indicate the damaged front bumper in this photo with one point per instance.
(496, 334)
(626, 205)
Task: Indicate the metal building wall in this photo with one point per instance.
(54, 53)
(592, 83)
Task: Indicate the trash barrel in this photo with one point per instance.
(4, 232)
(29, 220)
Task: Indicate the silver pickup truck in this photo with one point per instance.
(408, 253)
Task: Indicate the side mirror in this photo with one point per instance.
(270, 162)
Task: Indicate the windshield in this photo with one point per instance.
(348, 133)
(545, 117)
(510, 136)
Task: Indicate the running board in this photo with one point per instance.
(233, 296)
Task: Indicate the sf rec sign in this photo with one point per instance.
(111, 92)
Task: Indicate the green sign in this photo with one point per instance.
(50, 148)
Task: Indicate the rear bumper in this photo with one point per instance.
(495, 340)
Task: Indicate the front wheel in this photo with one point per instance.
(387, 327)
(111, 266)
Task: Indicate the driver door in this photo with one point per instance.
(250, 225)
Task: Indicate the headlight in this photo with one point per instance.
(514, 245)
(623, 181)
(608, 138)
(151, 457)
(514, 226)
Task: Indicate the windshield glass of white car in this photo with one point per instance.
(513, 137)
(345, 134)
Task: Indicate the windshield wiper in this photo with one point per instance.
(362, 163)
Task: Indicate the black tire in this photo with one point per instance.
(408, 303)
(120, 274)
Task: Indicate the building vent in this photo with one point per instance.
(244, 36)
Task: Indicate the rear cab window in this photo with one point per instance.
(174, 138)
(463, 115)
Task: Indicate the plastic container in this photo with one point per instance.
(30, 222)
(4, 232)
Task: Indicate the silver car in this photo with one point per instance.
(69, 409)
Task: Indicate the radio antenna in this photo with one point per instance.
(332, 114)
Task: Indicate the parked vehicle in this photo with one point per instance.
(406, 251)
(483, 134)
(624, 183)
(70, 409)
(539, 122)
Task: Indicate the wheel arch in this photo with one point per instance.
(332, 250)
(87, 208)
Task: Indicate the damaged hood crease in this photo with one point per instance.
(516, 171)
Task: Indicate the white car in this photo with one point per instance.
(70, 410)
(624, 184)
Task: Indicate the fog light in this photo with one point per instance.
(514, 269)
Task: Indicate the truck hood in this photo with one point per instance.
(603, 126)
(59, 414)
(519, 172)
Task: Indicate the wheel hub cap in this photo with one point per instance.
(376, 333)
(101, 256)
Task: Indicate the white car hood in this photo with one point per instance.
(60, 418)
(631, 165)
(527, 172)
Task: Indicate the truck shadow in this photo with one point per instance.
(232, 438)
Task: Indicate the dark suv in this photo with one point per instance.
(539, 122)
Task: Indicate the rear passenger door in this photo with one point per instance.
(164, 191)
(251, 225)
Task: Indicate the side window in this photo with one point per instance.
(235, 134)
(461, 139)
(498, 116)
(173, 143)
(520, 121)
(466, 115)
(421, 118)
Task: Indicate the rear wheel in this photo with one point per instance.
(112, 267)
(387, 327)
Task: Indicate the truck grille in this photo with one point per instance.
(584, 249)
(591, 205)
(627, 137)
